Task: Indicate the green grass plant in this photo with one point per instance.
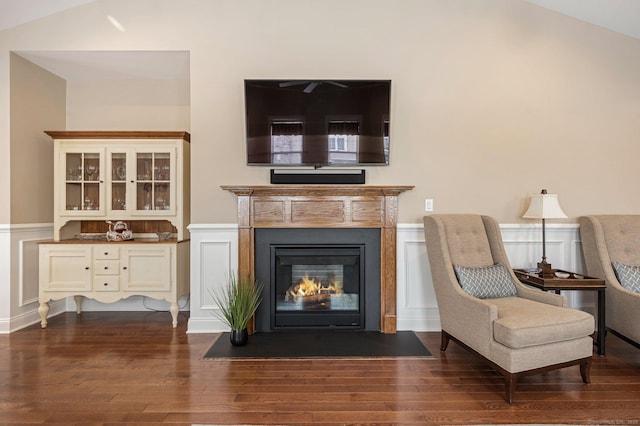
(237, 301)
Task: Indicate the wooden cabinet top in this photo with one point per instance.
(117, 134)
(114, 243)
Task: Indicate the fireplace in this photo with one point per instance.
(325, 207)
(318, 278)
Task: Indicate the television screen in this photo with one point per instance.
(317, 122)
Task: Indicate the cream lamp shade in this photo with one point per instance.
(544, 206)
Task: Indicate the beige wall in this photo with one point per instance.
(130, 104)
(37, 104)
(5, 147)
(492, 100)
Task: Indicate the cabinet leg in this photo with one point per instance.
(174, 309)
(78, 300)
(43, 310)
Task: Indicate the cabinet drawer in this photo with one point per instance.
(106, 267)
(106, 253)
(106, 283)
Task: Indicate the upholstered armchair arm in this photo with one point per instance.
(460, 311)
(541, 296)
(623, 307)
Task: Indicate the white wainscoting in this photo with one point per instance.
(19, 282)
(214, 253)
(417, 307)
(19, 275)
(5, 279)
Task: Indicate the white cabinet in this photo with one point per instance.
(117, 176)
(108, 272)
(106, 268)
(146, 268)
(67, 268)
(120, 176)
(83, 191)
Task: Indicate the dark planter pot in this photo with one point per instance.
(239, 337)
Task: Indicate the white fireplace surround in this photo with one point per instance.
(214, 252)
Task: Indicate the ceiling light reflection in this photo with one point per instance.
(115, 23)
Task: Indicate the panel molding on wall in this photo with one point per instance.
(28, 276)
(5, 276)
(214, 255)
(19, 253)
(417, 307)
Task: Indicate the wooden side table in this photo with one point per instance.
(577, 282)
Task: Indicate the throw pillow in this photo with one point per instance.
(488, 282)
(628, 275)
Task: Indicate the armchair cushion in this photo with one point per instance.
(522, 323)
(488, 282)
(628, 275)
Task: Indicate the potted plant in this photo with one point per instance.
(238, 301)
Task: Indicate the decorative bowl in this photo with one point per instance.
(562, 274)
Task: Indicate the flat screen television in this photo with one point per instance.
(317, 122)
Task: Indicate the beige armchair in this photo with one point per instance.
(607, 239)
(525, 332)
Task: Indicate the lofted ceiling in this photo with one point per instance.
(16, 12)
(622, 16)
(113, 65)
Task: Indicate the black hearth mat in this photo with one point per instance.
(321, 344)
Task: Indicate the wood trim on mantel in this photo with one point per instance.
(356, 190)
(324, 206)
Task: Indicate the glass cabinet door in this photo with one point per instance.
(83, 189)
(155, 182)
(118, 195)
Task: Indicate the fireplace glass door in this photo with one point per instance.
(318, 286)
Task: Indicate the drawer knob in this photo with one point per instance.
(106, 284)
(106, 253)
(86, 268)
(106, 267)
(124, 267)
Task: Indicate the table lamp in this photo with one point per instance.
(544, 206)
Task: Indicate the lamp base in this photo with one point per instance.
(545, 269)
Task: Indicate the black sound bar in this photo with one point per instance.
(317, 177)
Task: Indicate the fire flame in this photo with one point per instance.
(308, 287)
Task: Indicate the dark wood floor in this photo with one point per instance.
(133, 368)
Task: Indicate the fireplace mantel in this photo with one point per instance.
(323, 206)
